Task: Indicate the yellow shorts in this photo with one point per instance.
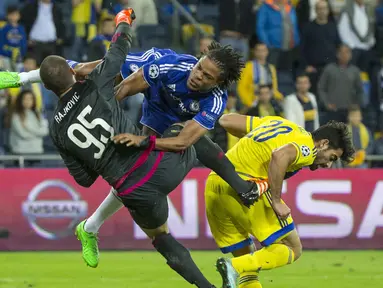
(232, 223)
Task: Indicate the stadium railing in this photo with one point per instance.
(21, 159)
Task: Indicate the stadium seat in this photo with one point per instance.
(285, 82)
(153, 36)
(208, 14)
(371, 118)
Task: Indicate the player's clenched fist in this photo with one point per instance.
(126, 16)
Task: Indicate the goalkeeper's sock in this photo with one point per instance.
(212, 156)
(108, 207)
(180, 260)
(249, 280)
(273, 256)
(32, 76)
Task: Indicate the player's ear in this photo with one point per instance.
(72, 71)
(323, 143)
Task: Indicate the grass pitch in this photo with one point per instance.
(329, 269)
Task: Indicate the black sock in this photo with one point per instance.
(179, 259)
(212, 156)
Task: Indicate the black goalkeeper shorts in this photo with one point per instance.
(147, 203)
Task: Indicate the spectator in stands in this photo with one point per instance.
(13, 40)
(301, 107)
(84, 19)
(4, 4)
(100, 44)
(30, 64)
(266, 105)
(320, 40)
(44, 98)
(307, 11)
(28, 127)
(44, 24)
(356, 30)
(234, 24)
(360, 136)
(340, 86)
(277, 27)
(219, 135)
(257, 72)
(337, 7)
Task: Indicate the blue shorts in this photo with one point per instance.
(154, 117)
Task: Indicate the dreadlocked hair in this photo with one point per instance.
(229, 62)
(339, 137)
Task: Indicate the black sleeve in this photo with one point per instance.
(106, 71)
(83, 175)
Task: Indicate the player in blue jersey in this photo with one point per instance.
(177, 88)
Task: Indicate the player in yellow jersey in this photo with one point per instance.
(270, 150)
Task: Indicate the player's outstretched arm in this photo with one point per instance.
(238, 125)
(131, 85)
(106, 71)
(187, 137)
(281, 159)
(84, 69)
(233, 123)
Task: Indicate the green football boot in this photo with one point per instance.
(9, 80)
(90, 252)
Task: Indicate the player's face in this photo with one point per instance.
(326, 156)
(204, 76)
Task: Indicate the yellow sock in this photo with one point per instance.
(273, 256)
(249, 280)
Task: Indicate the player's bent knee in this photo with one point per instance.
(173, 130)
(244, 250)
(297, 252)
(294, 243)
(153, 233)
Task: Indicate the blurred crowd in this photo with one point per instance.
(309, 61)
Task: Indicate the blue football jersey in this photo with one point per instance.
(170, 98)
(134, 61)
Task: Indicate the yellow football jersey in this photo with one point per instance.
(252, 154)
